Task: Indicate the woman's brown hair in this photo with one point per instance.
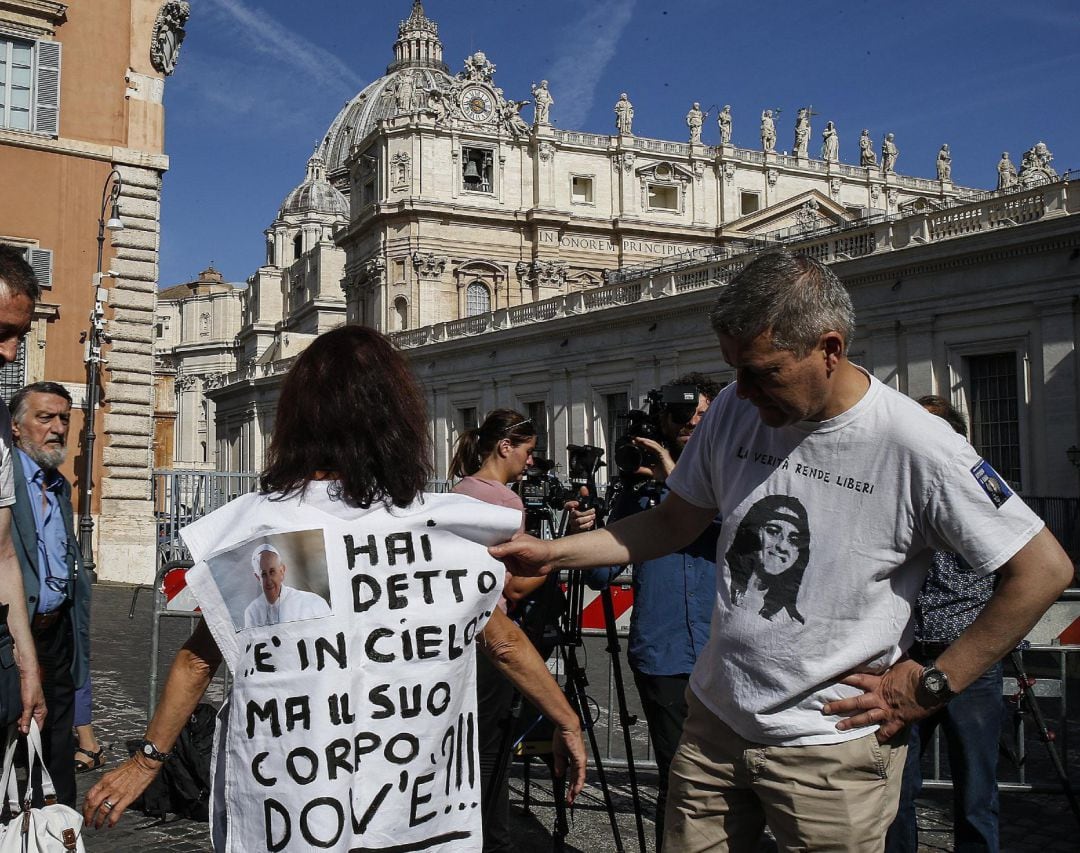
(351, 407)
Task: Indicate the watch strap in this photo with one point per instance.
(148, 749)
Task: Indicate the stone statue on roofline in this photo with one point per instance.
(802, 133)
(867, 157)
(478, 68)
(830, 144)
(768, 132)
(542, 101)
(944, 164)
(1035, 168)
(723, 122)
(624, 115)
(1006, 172)
(694, 120)
(510, 113)
(889, 153)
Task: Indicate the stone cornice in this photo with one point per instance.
(114, 154)
(976, 250)
(48, 12)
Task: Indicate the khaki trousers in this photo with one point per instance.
(724, 789)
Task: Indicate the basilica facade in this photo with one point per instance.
(565, 272)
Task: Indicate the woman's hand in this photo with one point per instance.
(117, 789)
(568, 749)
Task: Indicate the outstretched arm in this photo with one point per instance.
(194, 666)
(518, 661)
(1031, 580)
(653, 533)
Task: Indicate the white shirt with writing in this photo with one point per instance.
(827, 535)
(355, 729)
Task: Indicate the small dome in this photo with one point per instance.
(315, 195)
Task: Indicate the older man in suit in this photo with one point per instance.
(57, 590)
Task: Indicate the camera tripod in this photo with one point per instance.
(551, 607)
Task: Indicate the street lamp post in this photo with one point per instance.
(95, 337)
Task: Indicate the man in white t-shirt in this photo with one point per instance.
(279, 603)
(834, 490)
(19, 671)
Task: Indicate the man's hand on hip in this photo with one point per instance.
(889, 700)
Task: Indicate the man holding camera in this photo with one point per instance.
(835, 490)
(673, 594)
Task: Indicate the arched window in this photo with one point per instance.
(297, 246)
(477, 299)
(401, 308)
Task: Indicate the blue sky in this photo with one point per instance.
(259, 82)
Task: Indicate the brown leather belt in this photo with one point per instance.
(43, 621)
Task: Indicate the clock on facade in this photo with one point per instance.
(477, 104)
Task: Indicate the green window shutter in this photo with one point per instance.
(47, 96)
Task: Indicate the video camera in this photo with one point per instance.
(678, 402)
(539, 487)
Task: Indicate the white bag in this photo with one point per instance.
(55, 828)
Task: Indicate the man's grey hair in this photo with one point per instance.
(17, 405)
(797, 298)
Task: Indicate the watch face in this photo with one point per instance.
(935, 682)
(477, 104)
(149, 750)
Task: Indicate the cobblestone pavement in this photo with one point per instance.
(1039, 823)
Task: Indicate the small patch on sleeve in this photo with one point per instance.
(992, 483)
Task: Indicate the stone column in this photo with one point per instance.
(126, 540)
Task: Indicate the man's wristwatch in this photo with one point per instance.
(148, 749)
(934, 686)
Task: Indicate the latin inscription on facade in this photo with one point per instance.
(602, 244)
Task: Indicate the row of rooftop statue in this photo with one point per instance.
(1034, 169)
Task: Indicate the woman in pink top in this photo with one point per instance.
(488, 457)
(493, 454)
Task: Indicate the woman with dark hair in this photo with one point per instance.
(493, 454)
(355, 728)
(487, 458)
(771, 548)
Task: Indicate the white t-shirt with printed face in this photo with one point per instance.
(827, 535)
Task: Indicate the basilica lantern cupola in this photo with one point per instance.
(417, 44)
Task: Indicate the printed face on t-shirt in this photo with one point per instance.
(784, 388)
(271, 575)
(780, 541)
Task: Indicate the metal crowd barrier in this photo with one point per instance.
(173, 601)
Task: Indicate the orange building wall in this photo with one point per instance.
(59, 193)
(96, 48)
